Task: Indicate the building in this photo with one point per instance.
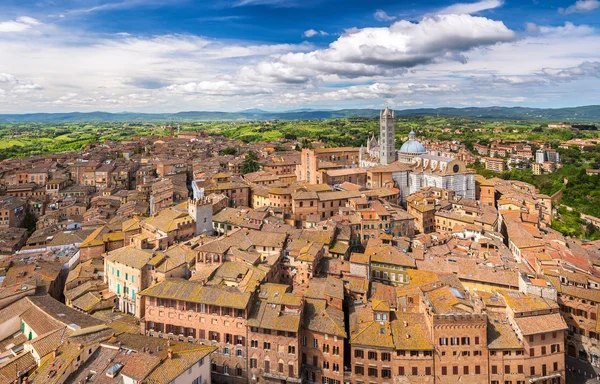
(214, 315)
(161, 195)
(442, 172)
(494, 164)
(387, 137)
(410, 149)
(313, 161)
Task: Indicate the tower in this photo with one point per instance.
(387, 139)
(201, 212)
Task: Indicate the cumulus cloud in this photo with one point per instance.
(470, 8)
(381, 15)
(495, 80)
(585, 69)
(21, 24)
(388, 51)
(376, 91)
(581, 6)
(312, 32)
(218, 87)
(532, 27)
(10, 84)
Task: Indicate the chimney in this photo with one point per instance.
(170, 354)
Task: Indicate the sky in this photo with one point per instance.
(278, 55)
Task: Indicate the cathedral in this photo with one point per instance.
(380, 152)
(420, 169)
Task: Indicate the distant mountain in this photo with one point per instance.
(307, 110)
(254, 110)
(584, 114)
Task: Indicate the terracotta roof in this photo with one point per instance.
(197, 293)
(532, 325)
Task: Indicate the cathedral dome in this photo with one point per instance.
(412, 145)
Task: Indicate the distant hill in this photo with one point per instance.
(584, 114)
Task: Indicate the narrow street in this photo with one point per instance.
(579, 371)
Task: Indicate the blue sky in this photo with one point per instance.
(173, 55)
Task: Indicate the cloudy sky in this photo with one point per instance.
(230, 55)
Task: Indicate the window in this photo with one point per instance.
(555, 366)
(359, 370)
(280, 366)
(531, 352)
(267, 366)
(543, 350)
(519, 369)
(477, 370)
(455, 370)
(372, 355)
(443, 341)
(494, 370)
(336, 351)
(415, 371)
(226, 369)
(291, 349)
(428, 371)
(254, 343)
(444, 371)
(543, 336)
(476, 340)
(239, 353)
(554, 348)
(253, 363)
(325, 364)
(291, 370)
(531, 338)
(372, 371)
(385, 356)
(507, 369)
(401, 371)
(359, 354)
(466, 370)
(315, 343)
(304, 340)
(266, 346)
(238, 370)
(532, 371)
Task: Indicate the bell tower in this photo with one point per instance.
(387, 138)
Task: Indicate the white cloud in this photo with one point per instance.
(581, 6)
(440, 60)
(387, 51)
(532, 27)
(585, 69)
(312, 32)
(381, 15)
(10, 84)
(21, 24)
(470, 8)
(218, 87)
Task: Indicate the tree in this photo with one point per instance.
(250, 163)
(29, 222)
(229, 151)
